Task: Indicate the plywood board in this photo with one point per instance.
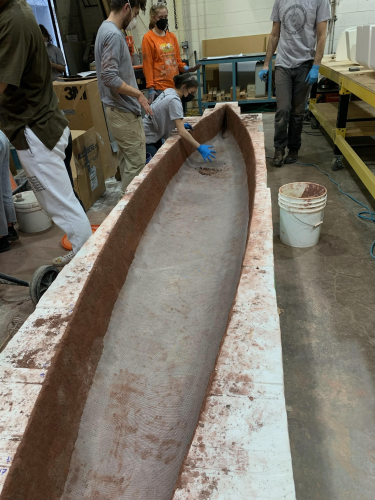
(357, 109)
(364, 77)
(235, 45)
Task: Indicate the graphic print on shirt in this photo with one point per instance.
(295, 19)
(166, 48)
(170, 67)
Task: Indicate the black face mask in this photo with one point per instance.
(162, 24)
(187, 98)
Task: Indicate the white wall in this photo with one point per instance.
(205, 19)
(353, 13)
(225, 18)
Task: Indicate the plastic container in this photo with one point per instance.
(301, 213)
(365, 45)
(346, 46)
(30, 216)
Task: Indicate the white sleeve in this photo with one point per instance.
(275, 16)
(323, 12)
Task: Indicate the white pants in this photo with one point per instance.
(50, 182)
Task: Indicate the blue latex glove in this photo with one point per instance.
(207, 152)
(313, 75)
(263, 75)
(151, 95)
(188, 126)
(186, 69)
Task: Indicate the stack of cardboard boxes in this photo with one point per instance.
(93, 158)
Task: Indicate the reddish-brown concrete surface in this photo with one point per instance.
(41, 463)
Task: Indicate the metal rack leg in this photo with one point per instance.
(342, 117)
(199, 91)
(234, 82)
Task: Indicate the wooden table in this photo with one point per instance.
(347, 119)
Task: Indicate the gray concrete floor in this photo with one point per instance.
(32, 251)
(327, 293)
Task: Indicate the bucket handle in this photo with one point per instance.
(307, 224)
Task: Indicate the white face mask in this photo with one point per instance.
(132, 25)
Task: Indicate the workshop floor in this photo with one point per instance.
(327, 294)
(31, 252)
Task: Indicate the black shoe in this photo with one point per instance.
(279, 157)
(292, 156)
(12, 234)
(4, 244)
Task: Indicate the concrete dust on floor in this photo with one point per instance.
(32, 251)
(327, 294)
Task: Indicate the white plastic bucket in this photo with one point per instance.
(30, 216)
(301, 213)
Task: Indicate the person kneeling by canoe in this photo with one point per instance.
(168, 114)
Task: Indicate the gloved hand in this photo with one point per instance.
(151, 95)
(207, 152)
(263, 75)
(192, 69)
(313, 75)
(188, 126)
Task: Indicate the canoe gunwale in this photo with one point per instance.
(41, 463)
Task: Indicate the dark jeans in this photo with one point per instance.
(292, 93)
(68, 157)
(153, 148)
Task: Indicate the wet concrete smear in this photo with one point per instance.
(164, 335)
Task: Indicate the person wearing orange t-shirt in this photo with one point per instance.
(161, 54)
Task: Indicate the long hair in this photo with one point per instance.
(185, 79)
(45, 33)
(153, 11)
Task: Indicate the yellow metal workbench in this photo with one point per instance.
(348, 119)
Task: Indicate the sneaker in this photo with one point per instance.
(279, 157)
(63, 260)
(292, 156)
(12, 234)
(4, 244)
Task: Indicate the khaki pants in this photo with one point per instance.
(127, 129)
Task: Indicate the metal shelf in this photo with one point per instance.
(201, 74)
(345, 124)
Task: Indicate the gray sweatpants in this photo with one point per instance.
(7, 211)
(292, 93)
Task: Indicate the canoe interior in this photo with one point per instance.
(122, 399)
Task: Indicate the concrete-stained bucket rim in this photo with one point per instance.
(320, 195)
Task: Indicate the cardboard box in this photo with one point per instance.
(80, 102)
(250, 44)
(87, 167)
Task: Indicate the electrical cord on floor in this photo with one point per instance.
(366, 215)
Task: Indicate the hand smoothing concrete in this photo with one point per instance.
(164, 335)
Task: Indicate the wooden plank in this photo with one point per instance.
(234, 45)
(105, 4)
(364, 77)
(357, 109)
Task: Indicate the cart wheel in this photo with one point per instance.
(41, 281)
(314, 123)
(337, 163)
